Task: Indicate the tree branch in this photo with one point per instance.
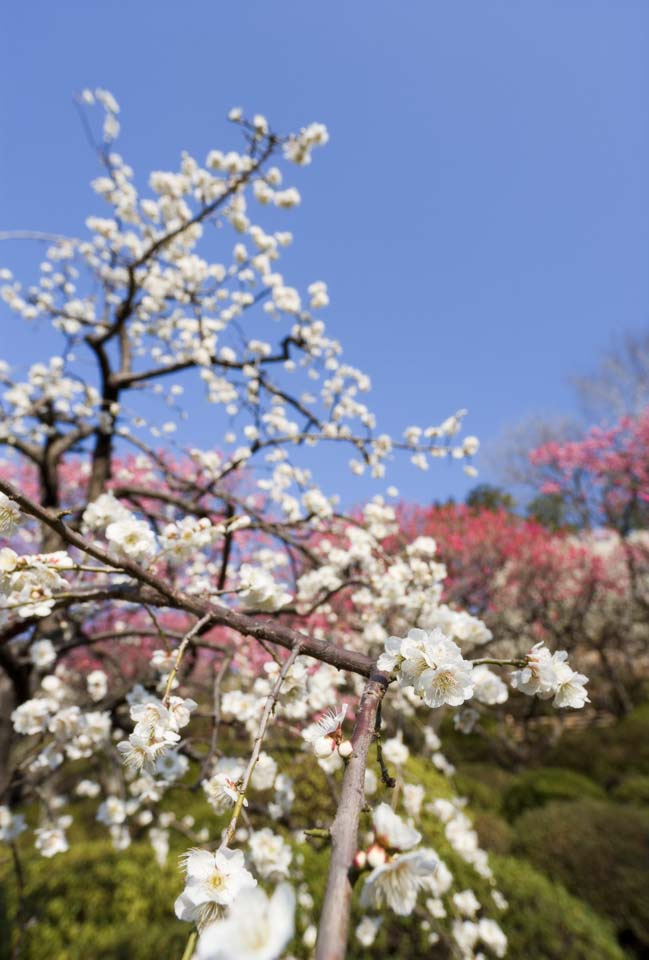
(334, 919)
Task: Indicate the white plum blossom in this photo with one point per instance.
(221, 788)
(395, 750)
(547, 675)
(51, 839)
(9, 515)
(397, 882)
(413, 797)
(213, 881)
(488, 687)
(430, 663)
(112, 811)
(11, 824)
(390, 830)
(466, 902)
(569, 687)
(256, 928)
(492, 936)
(42, 654)
(263, 776)
(269, 853)
(259, 591)
(87, 788)
(367, 930)
(97, 685)
(132, 538)
(325, 734)
(32, 716)
(156, 730)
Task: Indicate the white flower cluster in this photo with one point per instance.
(398, 871)
(548, 675)
(431, 664)
(259, 591)
(28, 583)
(461, 834)
(9, 515)
(156, 730)
(74, 733)
(326, 734)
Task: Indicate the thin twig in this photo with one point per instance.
(196, 629)
(271, 700)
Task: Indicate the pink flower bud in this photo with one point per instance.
(360, 860)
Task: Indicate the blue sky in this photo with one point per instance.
(481, 214)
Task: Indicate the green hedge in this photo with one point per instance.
(544, 921)
(607, 754)
(633, 789)
(95, 903)
(600, 852)
(535, 788)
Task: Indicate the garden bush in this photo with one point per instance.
(545, 922)
(483, 784)
(633, 789)
(535, 788)
(607, 754)
(600, 852)
(94, 903)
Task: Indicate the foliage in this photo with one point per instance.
(549, 509)
(535, 788)
(607, 754)
(633, 789)
(485, 496)
(600, 851)
(483, 784)
(544, 921)
(94, 901)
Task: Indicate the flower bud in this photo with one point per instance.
(376, 856)
(360, 860)
(323, 747)
(345, 749)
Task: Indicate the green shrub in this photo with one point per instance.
(495, 833)
(535, 788)
(607, 754)
(600, 852)
(94, 903)
(634, 789)
(483, 784)
(545, 922)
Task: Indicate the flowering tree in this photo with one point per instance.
(603, 476)
(168, 615)
(585, 590)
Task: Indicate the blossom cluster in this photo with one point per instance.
(156, 730)
(431, 664)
